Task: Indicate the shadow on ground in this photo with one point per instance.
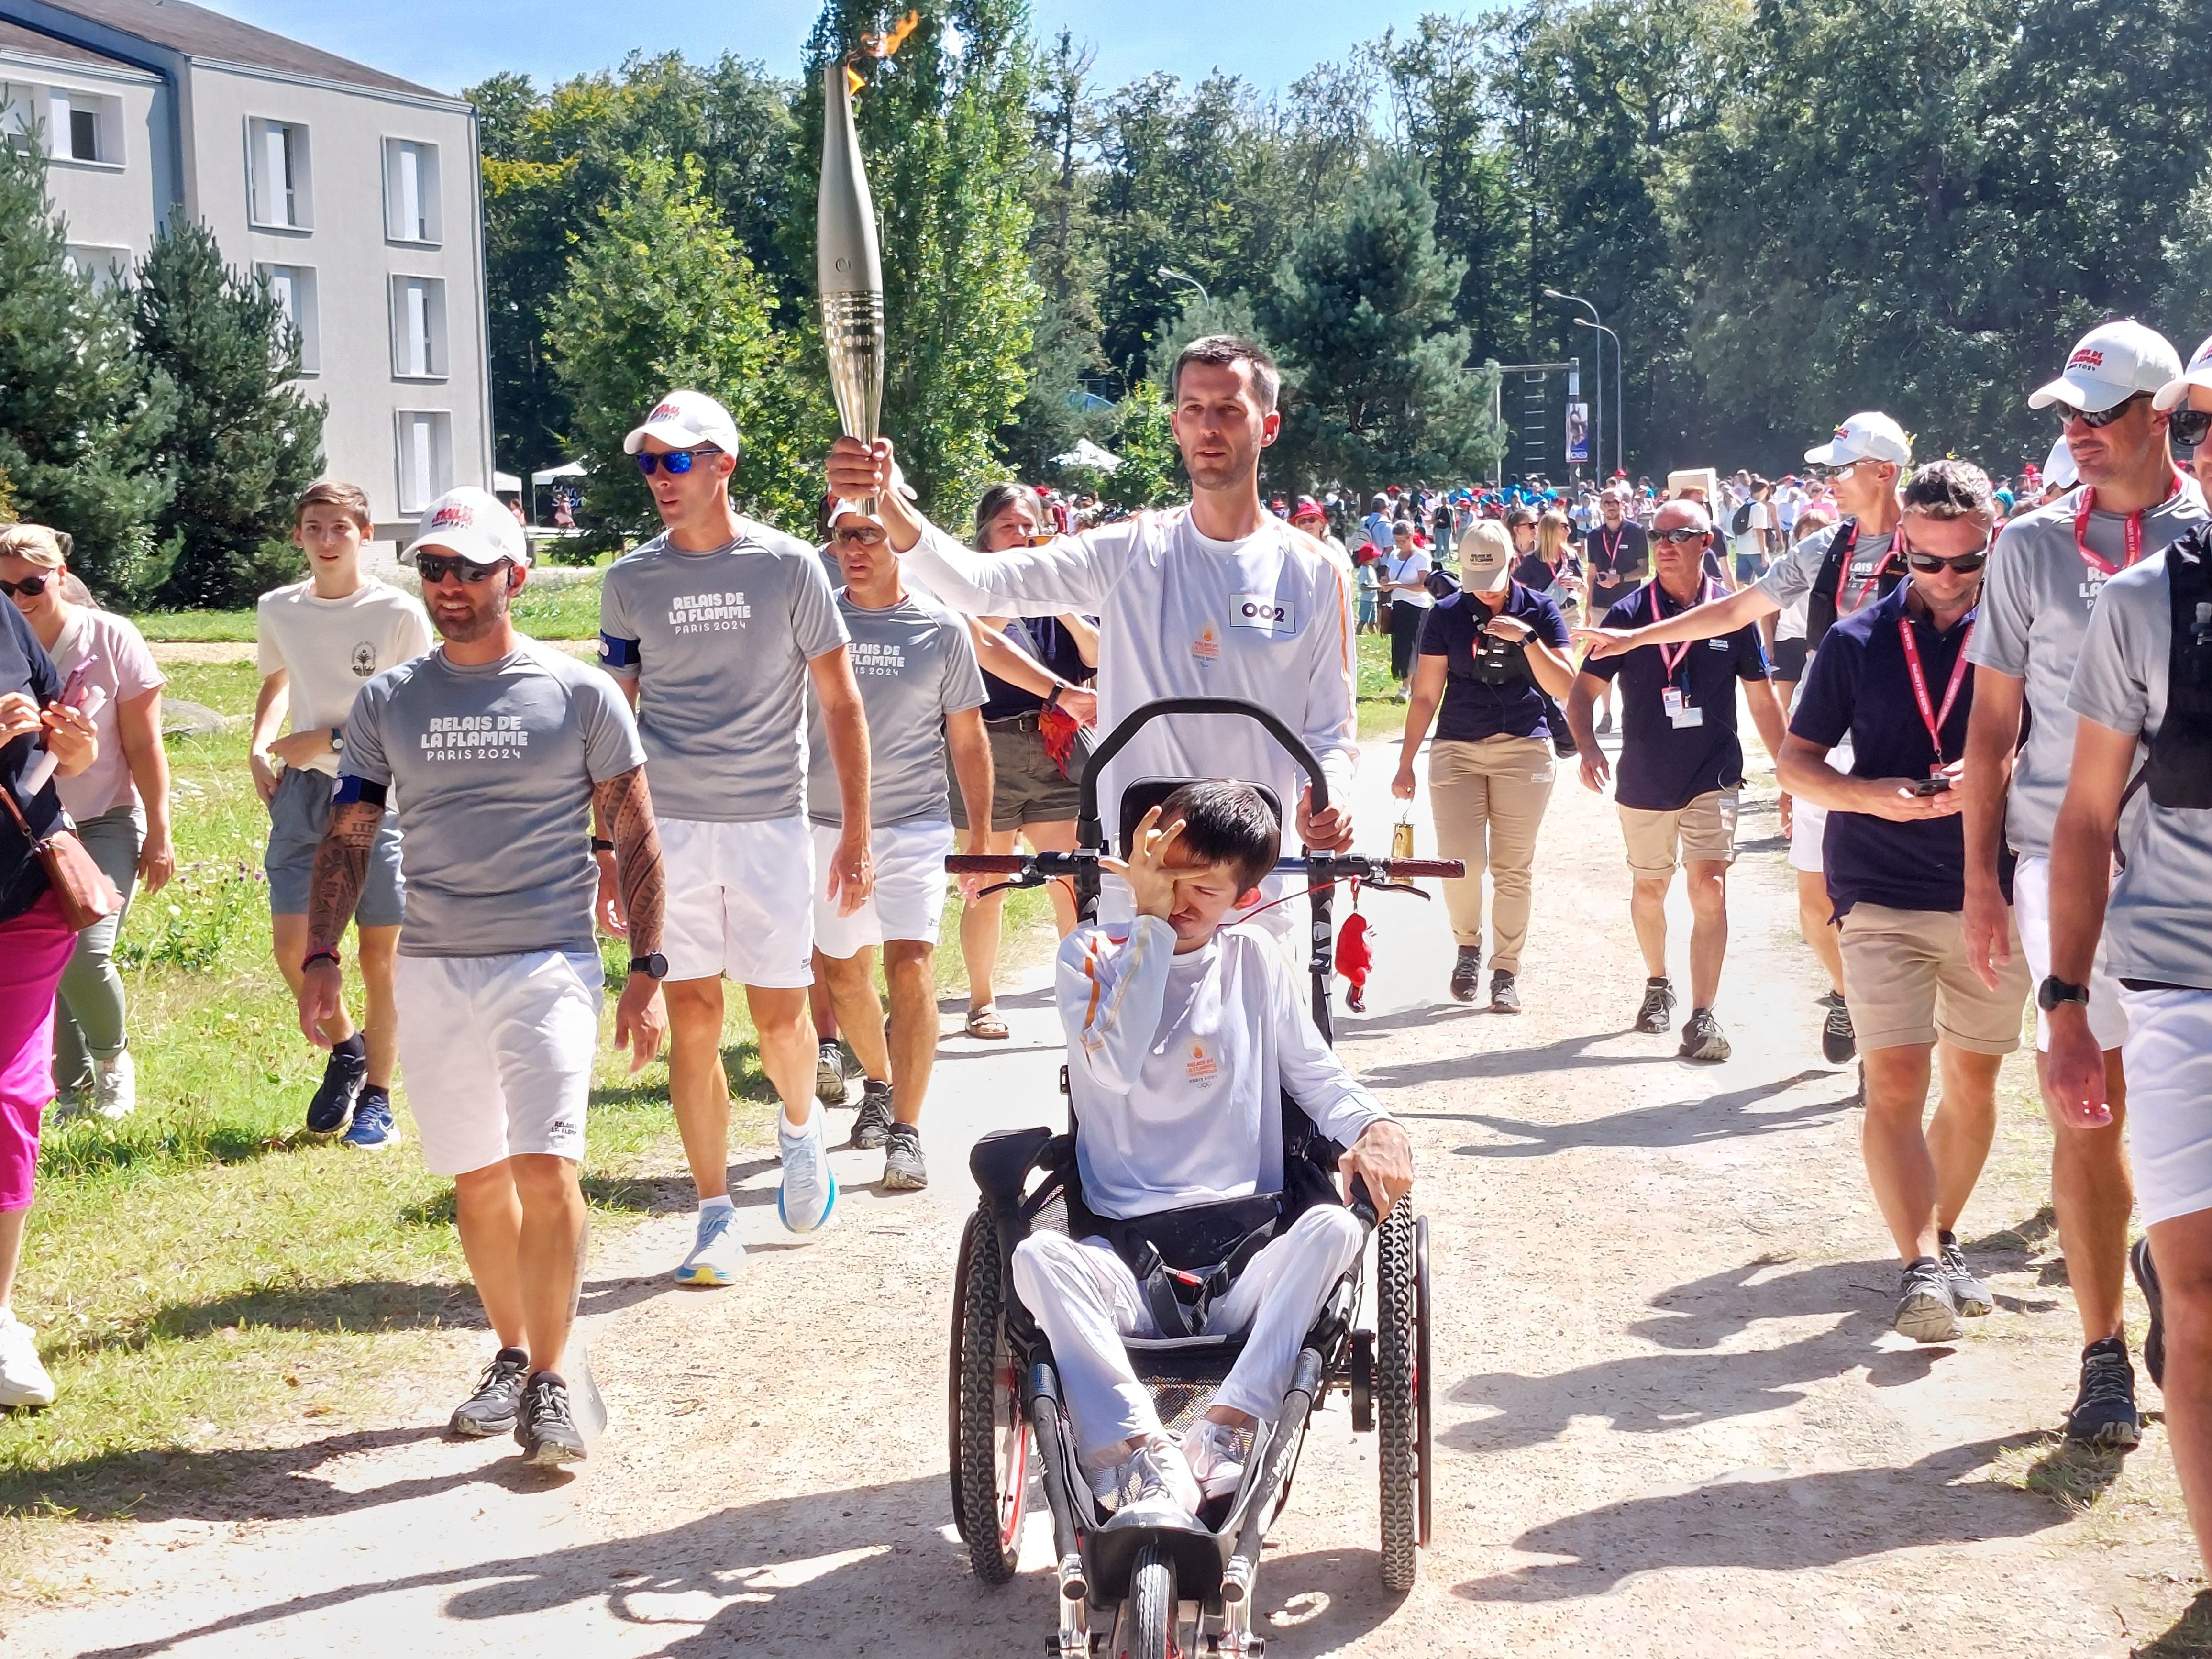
(1666, 1124)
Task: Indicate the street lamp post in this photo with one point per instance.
(1170, 274)
(1597, 373)
(1619, 420)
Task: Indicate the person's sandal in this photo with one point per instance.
(984, 1023)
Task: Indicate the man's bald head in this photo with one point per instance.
(1682, 514)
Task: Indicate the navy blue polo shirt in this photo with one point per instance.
(1474, 709)
(1859, 687)
(1665, 766)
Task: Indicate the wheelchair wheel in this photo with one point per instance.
(1151, 1605)
(1399, 1386)
(990, 1442)
(1424, 1425)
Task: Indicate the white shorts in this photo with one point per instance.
(908, 896)
(497, 1052)
(2031, 909)
(2168, 1057)
(739, 901)
(1809, 822)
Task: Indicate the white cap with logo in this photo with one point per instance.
(2109, 365)
(1869, 436)
(2175, 392)
(684, 420)
(472, 523)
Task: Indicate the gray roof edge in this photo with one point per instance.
(399, 92)
(49, 51)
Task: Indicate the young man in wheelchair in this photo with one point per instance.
(1182, 1036)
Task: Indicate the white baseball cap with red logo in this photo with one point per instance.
(1869, 436)
(2175, 392)
(2109, 365)
(684, 420)
(472, 523)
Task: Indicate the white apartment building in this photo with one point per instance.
(355, 193)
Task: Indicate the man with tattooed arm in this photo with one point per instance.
(499, 755)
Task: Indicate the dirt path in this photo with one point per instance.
(1671, 1415)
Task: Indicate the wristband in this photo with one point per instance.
(1053, 701)
(314, 956)
(601, 844)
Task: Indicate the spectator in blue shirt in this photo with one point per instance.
(1894, 680)
(1681, 765)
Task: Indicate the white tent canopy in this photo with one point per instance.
(573, 470)
(507, 483)
(1086, 453)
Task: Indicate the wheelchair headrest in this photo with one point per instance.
(1141, 797)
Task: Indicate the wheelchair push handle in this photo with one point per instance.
(1114, 742)
(1361, 1203)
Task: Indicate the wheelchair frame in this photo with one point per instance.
(1003, 1388)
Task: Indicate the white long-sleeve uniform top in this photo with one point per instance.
(1268, 619)
(1177, 1067)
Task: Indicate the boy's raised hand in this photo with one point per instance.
(1145, 869)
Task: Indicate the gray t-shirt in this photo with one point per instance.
(1790, 577)
(491, 769)
(2154, 924)
(2036, 603)
(915, 664)
(719, 644)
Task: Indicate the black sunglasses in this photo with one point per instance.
(2103, 417)
(436, 567)
(675, 460)
(865, 535)
(30, 587)
(2187, 426)
(1966, 564)
(1679, 535)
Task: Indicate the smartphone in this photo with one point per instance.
(1935, 785)
(75, 682)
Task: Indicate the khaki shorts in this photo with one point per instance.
(1027, 785)
(1907, 980)
(1704, 830)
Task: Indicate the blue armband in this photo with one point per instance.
(616, 653)
(350, 789)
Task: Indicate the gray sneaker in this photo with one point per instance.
(1658, 1008)
(1973, 1296)
(873, 1120)
(903, 1169)
(492, 1409)
(829, 1074)
(1703, 1038)
(1504, 996)
(1926, 1311)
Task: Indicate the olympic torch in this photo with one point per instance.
(848, 266)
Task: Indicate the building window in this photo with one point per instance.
(294, 288)
(278, 168)
(411, 191)
(426, 457)
(418, 328)
(77, 126)
(106, 266)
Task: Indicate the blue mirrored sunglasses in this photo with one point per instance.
(674, 461)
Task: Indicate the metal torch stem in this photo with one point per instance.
(853, 334)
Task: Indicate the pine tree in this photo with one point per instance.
(81, 416)
(1376, 369)
(246, 442)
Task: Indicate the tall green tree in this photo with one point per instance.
(659, 295)
(1362, 310)
(247, 440)
(945, 128)
(81, 414)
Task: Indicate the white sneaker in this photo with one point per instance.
(1154, 1473)
(23, 1380)
(115, 1085)
(809, 1192)
(1217, 1455)
(714, 1258)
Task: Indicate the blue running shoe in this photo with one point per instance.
(714, 1258)
(809, 1192)
(343, 1074)
(372, 1121)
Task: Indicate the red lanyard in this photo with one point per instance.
(2130, 531)
(1930, 716)
(1844, 569)
(1611, 548)
(1672, 663)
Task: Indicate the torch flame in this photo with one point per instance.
(882, 45)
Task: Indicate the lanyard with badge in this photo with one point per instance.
(1930, 716)
(2130, 529)
(1682, 713)
(1882, 566)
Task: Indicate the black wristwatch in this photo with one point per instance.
(2055, 990)
(652, 967)
(601, 844)
(338, 741)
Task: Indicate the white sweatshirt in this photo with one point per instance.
(1268, 619)
(1177, 1066)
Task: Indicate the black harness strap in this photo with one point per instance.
(2178, 770)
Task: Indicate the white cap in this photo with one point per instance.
(473, 523)
(2058, 468)
(1869, 436)
(2110, 364)
(2175, 392)
(684, 420)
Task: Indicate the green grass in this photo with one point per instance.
(204, 1276)
(168, 626)
(567, 610)
(1379, 716)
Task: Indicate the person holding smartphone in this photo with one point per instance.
(1895, 681)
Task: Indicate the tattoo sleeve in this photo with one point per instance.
(624, 810)
(341, 870)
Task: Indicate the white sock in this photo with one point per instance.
(797, 1126)
(722, 1203)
